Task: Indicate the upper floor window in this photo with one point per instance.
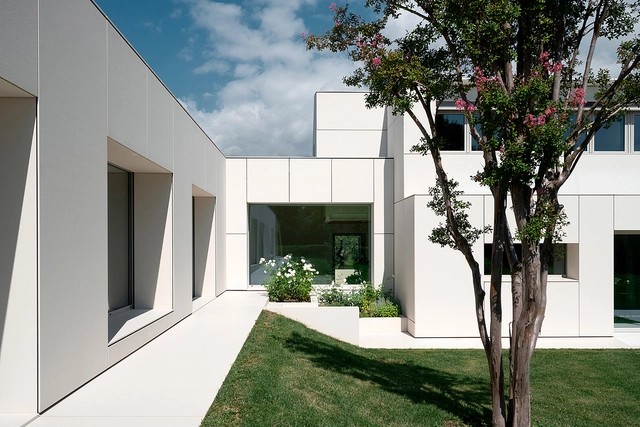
(610, 138)
(451, 127)
(636, 132)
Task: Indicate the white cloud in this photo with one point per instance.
(267, 106)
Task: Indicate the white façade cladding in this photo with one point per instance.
(601, 198)
(97, 103)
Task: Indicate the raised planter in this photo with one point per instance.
(342, 323)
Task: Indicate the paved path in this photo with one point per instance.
(171, 381)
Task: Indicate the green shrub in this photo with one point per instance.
(289, 279)
(370, 301)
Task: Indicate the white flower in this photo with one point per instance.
(262, 260)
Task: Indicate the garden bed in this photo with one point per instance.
(342, 323)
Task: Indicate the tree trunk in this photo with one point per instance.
(494, 355)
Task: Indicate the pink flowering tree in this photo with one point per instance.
(519, 71)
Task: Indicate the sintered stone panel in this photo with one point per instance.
(626, 212)
(351, 143)
(198, 160)
(443, 276)
(127, 109)
(352, 180)
(404, 237)
(18, 256)
(267, 180)
(204, 246)
(237, 262)
(561, 317)
(153, 221)
(160, 123)
(419, 175)
(236, 196)
(211, 167)
(19, 47)
(570, 204)
(310, 180)
(596, 265)
(383, 196)
(383, 260)
(221, 230)
(72, 197)
(346, 110)
(185, 132)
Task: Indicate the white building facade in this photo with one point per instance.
(120, 217)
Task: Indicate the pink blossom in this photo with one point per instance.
(373, 43)
(304, 34)
(543, 56)
(542, 119)
(376, 61)
(460, 104)
(471, 108)
(557, 67)
(332, 6)
(578, 97)
(358, 44)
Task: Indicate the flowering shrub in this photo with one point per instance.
(371, 301)
(289, 279)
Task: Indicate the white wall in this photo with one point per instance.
(98, 102)
(72, 171)
(18, 256)
(19, 24)
(345, 128)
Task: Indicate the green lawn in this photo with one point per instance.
(289, 375)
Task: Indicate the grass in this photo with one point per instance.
(289, 375)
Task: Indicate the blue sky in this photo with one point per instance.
(240, 68)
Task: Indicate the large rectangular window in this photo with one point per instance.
(626, 280)
(336, 239)
(611, 138)
(120, 238)
(451, 128)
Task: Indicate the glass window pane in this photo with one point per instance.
(581, 138)
(626, 280)
(611, 139)
(119, 237)
(636, 132)
(451, 128)
(334, 238)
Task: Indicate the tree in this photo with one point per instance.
(516, 71)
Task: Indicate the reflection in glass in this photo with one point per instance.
(636, 132)
(451, 128)
(334, 238)
(611, 138)
(626, 280)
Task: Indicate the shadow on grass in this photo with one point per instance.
(457, 394)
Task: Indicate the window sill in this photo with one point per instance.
(123, 324)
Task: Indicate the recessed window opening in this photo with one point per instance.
(626, 280)
(120, 238)
(557, 261)
(336, 239)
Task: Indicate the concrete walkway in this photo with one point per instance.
(171, 381)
